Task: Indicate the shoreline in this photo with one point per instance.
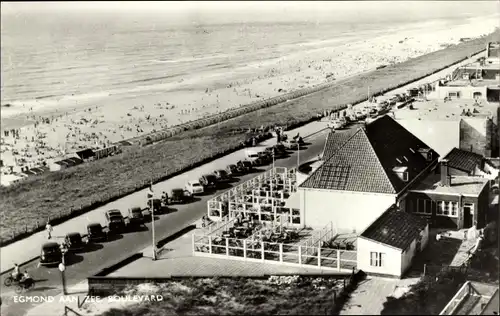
(55, 129)
(120, 168)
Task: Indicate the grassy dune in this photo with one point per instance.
(57, 194)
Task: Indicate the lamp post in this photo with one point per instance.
(62, 268)
(298, 155)
(150, 196)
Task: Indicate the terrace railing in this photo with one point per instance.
(278, 253)
(318, 237)
(217, 206)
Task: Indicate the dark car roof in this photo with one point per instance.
(178, 190)
(49, 245)
(135, 209)
(74, 235)
(114, 212)
(232, 165)
(92, 225)
(209, 176)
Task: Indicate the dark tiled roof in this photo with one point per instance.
(354, 167)
(334, 141)
(395, 228)
(364, 161)
(463, 160)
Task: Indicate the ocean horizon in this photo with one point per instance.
(47, 55)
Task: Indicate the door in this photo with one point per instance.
(468, 215)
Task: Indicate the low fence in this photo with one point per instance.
(279, 253)
(317, 238)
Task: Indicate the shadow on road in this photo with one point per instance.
(73, 259)
(114, 237)
(91, 247)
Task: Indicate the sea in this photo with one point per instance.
(60, 51)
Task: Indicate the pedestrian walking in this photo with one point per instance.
(49, 229)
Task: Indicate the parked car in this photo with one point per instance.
(180, 196)
(50, 254)
(115, 221)
(74, 241)
(155, 203)
(233, 170)
(208, 181)
(194, 187)
(95, 232)
(135, 216)
(222, 175)
(359, 115)
(335, 124)
(290, 144)
(245, 165)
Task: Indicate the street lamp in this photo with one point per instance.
(62, 268)
(150, 196)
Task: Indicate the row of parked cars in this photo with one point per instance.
(52, 253)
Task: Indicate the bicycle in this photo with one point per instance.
(10, 280)
(25, 286)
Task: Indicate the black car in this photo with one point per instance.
(209, 181)
(50, 254)
(156, 203)
(233, 170)
(74, 241)
(245, 165)
(180, 196)
(115, 221)
(95, 232)
(222, 175)
(135, 217)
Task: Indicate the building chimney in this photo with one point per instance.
(445, 176)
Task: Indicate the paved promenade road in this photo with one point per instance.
(81, 265)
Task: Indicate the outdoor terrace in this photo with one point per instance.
(449, 110)
(278, 243)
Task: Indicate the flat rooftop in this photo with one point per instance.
(477, 64)
(465, 185)
(473, 83)
(450, 110)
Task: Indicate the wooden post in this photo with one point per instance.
(338, 259)
(262, 249)
(319, 256)
(425, 268)
(244, 248)
(210, 244)
(281, 252)
(227, 246)
(300, 255)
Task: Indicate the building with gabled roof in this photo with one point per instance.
(389, 244)
(363, 174)
(466, 163)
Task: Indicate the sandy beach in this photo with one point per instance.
(53, 128)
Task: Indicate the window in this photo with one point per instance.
(447, 208)
(424, 206)
(376, 259)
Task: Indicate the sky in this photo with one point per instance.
(260, 10)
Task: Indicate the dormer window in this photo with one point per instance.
(402, 173)
(426, 153)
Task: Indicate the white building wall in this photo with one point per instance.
(466, 92)
(407, 256)
(349, 211)
(391, 264)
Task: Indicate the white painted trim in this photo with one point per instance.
(405, 188)
(380, 243)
